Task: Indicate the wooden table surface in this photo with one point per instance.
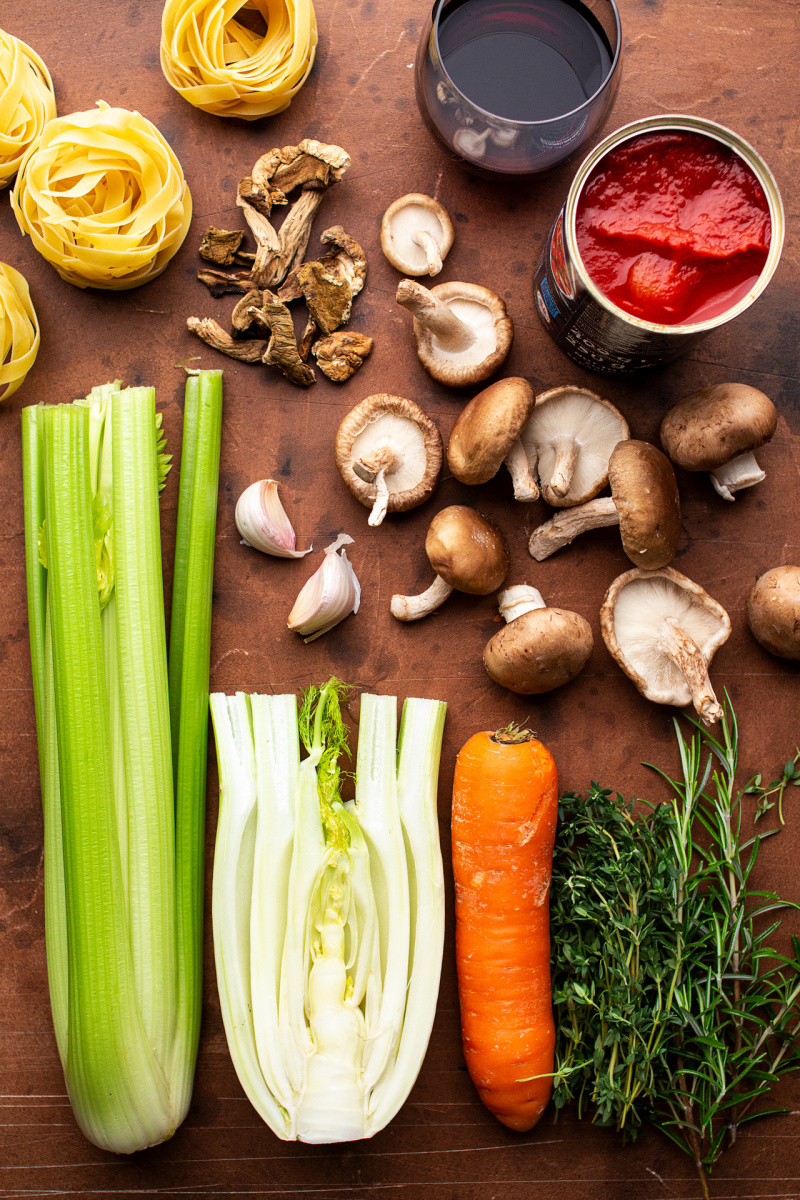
(735, 62)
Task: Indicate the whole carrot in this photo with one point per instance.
(505, 804)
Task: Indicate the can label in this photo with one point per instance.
(595, 337)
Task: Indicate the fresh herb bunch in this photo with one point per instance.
(672, 1003)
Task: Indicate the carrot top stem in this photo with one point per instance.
(513, 735)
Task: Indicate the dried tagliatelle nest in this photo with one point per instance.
(103, 198)
(27, 103)
(262, 329)
(226, 66)
(19, 330)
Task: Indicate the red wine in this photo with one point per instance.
(524, 60)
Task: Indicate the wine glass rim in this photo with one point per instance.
(436, 14)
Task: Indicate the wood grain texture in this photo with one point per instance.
(734, 62)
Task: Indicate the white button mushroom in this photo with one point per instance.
(644, 503)
(416, 234)
(462, 330)
(664, 630)
(389, 454)
(540, 648)
(569, 439)
(717, 429)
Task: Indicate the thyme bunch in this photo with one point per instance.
(672, 1002)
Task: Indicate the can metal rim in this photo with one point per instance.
(668, 123)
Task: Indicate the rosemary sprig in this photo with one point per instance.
(672, 1003)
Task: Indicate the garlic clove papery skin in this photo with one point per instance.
(262, 522)
(330, 595)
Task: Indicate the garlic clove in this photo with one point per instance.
(330, 595)
(262, 522)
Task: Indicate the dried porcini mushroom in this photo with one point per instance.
(569, 439)
(540, 648)
(468, 554)
(663, 630)
(416, 234)
(644, 503)
(389, 454)
(220, 245)
(717, 429)
(486, 435)
(462, 330)
(215, 336)
(327, 285)
(341, 354)
(773, 611)
(281, 351)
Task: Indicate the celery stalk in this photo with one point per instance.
(328, 917)
(189, 665)
(116, 1086)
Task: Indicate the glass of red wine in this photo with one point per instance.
(515, 87)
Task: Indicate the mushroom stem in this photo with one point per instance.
(428, 244)
(411, 608)
(525, 486)
(519, 599)
(451, 333)
(684, 653)
(569, 523)
(741, 472)
(373, 470)
(566, 449)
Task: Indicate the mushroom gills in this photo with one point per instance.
(648, 612)
(421, 228)
(741, 472)
(390, 453)
(570, 439)
(478, 340)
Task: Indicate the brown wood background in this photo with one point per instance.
(735, 62)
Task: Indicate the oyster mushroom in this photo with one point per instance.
(773, 611)
(486, 435)
(664, 630)
(462, 330)
(416, 234)
(468, 554)
(389, 454)
(569, 439)
(717, 429)
(644, 502)
(540, 648)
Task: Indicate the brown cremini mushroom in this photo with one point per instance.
(773, 611)
(569, 439)
(486, 435)
(389, 454)
(540, 648)
(644, 502)
(664, 630)
(717, 429)
(462, 330)
(468, 554)
(416, 234)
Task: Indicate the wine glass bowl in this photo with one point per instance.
(515, 87)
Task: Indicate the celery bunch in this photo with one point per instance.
(123, 847)
(328, 916)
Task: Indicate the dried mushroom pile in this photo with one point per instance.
(262, 329)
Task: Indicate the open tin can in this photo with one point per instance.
(589, 327)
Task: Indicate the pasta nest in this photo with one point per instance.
(221, 66)
(103, 198)
(27, 103)
(19, 330)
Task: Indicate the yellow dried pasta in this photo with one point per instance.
(221, 66)
(103, 198)
(19, 330)
(27, 103)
